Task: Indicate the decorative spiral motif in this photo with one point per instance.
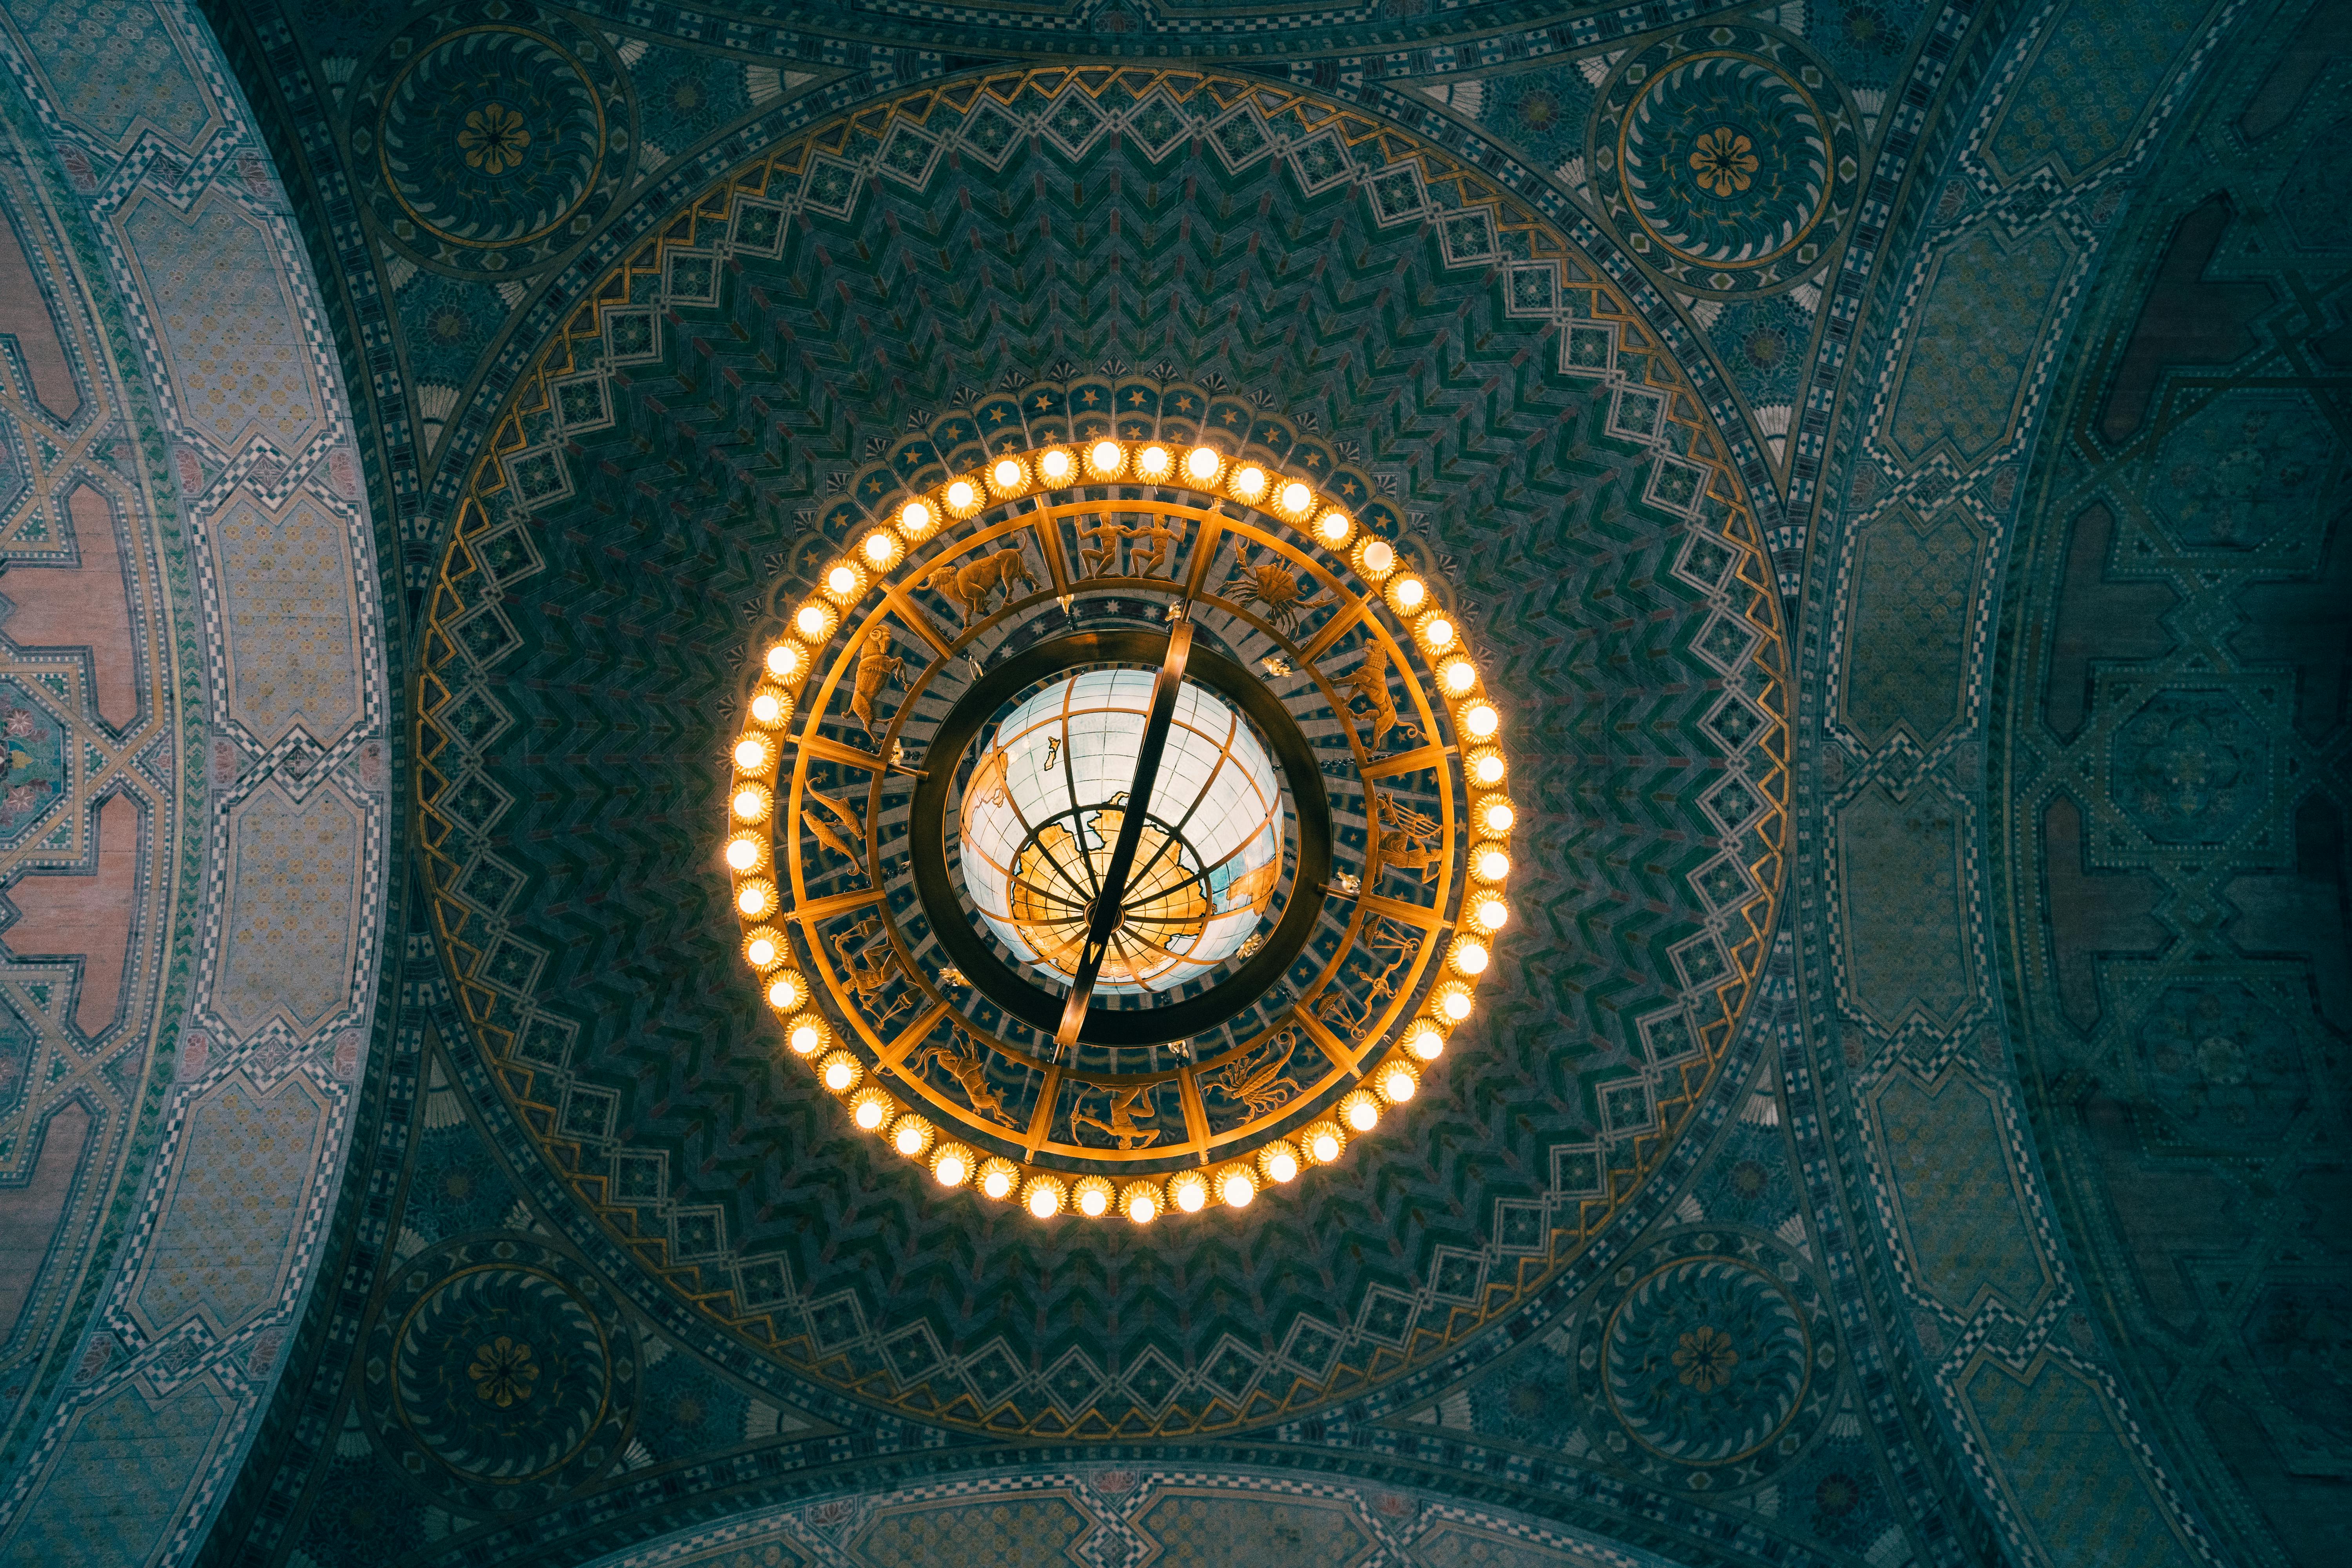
(1705, 1361)
(493, 1367)
(1727, 161)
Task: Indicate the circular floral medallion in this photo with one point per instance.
(495, 145)
(1709, 1350)
(493, 1371)
(1725, 159)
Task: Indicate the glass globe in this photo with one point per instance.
(1043, 810)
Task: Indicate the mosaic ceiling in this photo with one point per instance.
(1884, 456)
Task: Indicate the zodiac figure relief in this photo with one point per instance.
(1272, 587)
(1408, 837)
(827, 835)
(1100, 559)
(963, 1060)
(1119, 1122)
(1368, 683)
(973, 584)
(1149, 561)
(1339, 1011)
(1259, 1080)
(877, 667)
(871, 976)
(1393, 943)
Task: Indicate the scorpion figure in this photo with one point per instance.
(1370, 681)
(1259, 1080)
(1117, 1123)
(1408, 837)
(1274, 588)
(961, 1060)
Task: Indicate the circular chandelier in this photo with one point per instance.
(1119, 829)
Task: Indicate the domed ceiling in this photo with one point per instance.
(1925, 827)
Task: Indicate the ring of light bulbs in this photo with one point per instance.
(763, 746)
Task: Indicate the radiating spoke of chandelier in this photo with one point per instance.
(1107, 910)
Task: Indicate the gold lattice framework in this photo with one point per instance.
(1365, 658)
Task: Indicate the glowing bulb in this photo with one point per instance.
(755, 899)
(868, 1115)
(1424, 1042)
(1141, 1201)
(1436, 633)
(1454, 1004)
(1056, 467)
(1044, 1197)
(1496, 815)
(881, 549)
(1249, 481)
(841, 581)
(1007, 475)
(1334, 527)
(909, 1136)
(962, 497)
(785, 994)
(1106, 458)
(951, 1165)
(1481, 720)
(1296, 499)
(1280, 1162)
(1487, 767)
(1153, 462)
(915, 519)
(1408, 591)
(750, 803)
(1491, 913)
(996, 1179)
(1378, 559)
(1491, 865)
(841, 1072)
(751, 754)
(784, 660)
(1190, 1191)
(743, 854)
(1092, 1197)
(768, 709)
(1323, 1141)
(1203, 463)
(759, 952)
(1468, 956)
(1398, 1083)
(1458, 676)
(1362, 1111)
(1237, 1188)
(805, 1039)
(812, 621)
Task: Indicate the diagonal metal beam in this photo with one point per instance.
(1107, 911)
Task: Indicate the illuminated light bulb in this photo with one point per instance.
(745, 854)
(1468, 955)
(784, 660)
(1200, 465)
(1278, 1162)
(751, 754)
(1091, 1196)
(814, 622)
(1323, 1141)
(1360, 1111)
(806, 1037)
(1482, 720)
(1377, 559)
(1454, 1003)
(1154, 462)
(840, 1072)
(1489, 863)
(1236, 1186)
(750, 803)
(1249, 481)
(787, 992)
(1140, 1202)
(1496, 814)
(1190, 1190)
(1056, 467)
(1007, 477)
(881, 549)
(1042, 1197)
(1295, 498)
(1457, 675)
(762, 947)
(756, 897)
(912, 1135)
(914, 520)
(1333, 528)
(870, 1110)
(1425, 1041)
(997, 1177)
(1436, 632)
(1487, 767)
(771, 709)
(1490, 912)
(1408, 593)
(962, 496)
(841, 581)
(1396, 1082)
(1106, 458)
(951, 1166)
